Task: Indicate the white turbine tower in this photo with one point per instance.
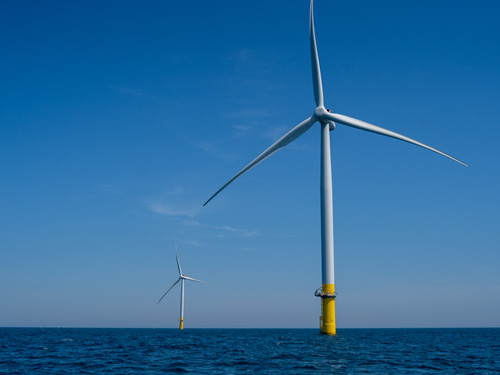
(327, 122)
(181, 278)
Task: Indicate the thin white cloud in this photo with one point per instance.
(276, 132)
(249, 114)
(187, 215)
(224, 228)
(241, 130)
(169, 210)
(212, 148)
(193, 243)
(206, 146)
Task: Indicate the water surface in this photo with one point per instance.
(249, 351)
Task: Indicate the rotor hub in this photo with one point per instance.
(319, 113)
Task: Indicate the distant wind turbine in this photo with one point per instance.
(181, 278)
(327, 121)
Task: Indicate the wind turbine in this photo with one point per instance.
(181, 278)
(327, 121)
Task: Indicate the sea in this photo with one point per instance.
(249, 351)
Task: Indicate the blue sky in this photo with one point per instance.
(119, 119)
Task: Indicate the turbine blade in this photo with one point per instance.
(280, 143)
(178, 263)
(164, 294)
(349, 121)
(190, 278)
(316, 72)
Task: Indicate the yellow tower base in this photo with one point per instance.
(181, 325)
(327, 320)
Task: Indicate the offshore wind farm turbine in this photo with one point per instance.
(327, 121)
(181, 278)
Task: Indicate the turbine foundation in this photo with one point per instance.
(327, 319)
